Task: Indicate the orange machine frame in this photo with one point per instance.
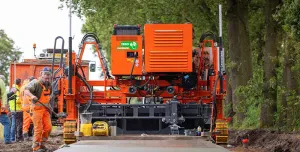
(168, 48)
(122, 55)
(119, 96)
(168, 52)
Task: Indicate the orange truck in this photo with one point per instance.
(32, 67)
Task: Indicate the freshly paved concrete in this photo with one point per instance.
(165, 145)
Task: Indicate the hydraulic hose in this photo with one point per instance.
(86, 36)
(90, 90)
(92, 35)
(206, 34)
(82, 71)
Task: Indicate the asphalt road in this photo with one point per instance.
(195, 145)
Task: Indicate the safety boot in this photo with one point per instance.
(39, 150)
(42, 146)
(26, 137)
(36, 147)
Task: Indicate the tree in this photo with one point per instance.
(8, 53)
(288, 82)
(101, 15)
(288, 17)
(269, 105)
(263, 78)
(240, 54)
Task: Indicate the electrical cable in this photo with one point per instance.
(135, 56)
(90, 90)
(131, 72)
(80, 66)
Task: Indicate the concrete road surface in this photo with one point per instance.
(197, 145)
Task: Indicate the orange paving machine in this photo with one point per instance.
(175, 86)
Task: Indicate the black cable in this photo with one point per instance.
(80, 67)
(90, 90)
(206, 34)
(99, 47)
(129, 100)
(135, 56)
(144, 84)
(131, 72)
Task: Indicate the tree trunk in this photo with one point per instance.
(294, 116)
(286, 83)
(269, 106)
(260, 48)
(240, 53)
(293, 113)
(228, 101)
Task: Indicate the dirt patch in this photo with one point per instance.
(264, 140)
(54, 142)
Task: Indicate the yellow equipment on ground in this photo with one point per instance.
(222, 128)
(86, 129)
(69, 129)
(86, 126)
(100, 128)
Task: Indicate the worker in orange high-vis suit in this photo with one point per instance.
(26, 109)
(39, 91)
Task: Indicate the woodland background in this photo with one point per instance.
(261, 40)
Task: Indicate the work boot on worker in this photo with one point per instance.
(39, 150)
(26, 137)
(42, 146)
(39, 147)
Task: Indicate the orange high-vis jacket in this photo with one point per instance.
(25, 100)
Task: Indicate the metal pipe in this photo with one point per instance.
(70, 18)
(220, 49)
(15, 77)
(57, 70)
(70, 72)
(220, 20)
(61, 56)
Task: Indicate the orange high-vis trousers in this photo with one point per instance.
(26, 120)
(42, 126)
(26, 109)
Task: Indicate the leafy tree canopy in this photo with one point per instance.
(8, 53)
(101, 15)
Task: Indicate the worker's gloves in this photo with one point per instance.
(34, 99)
